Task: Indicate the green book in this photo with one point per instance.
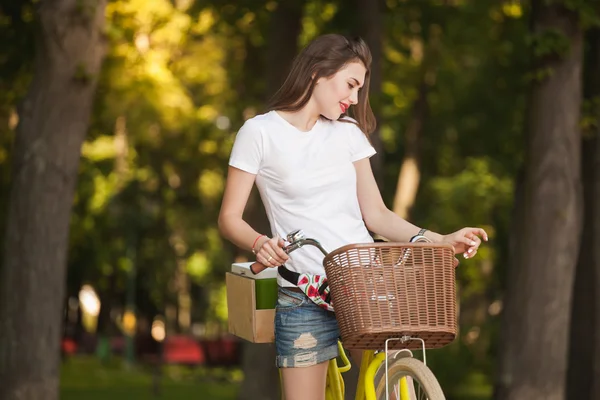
(265, 284)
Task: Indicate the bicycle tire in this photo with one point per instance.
(414, 368)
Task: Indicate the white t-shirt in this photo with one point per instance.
(306, 181)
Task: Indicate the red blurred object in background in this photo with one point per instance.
(224, 351)
(182, 350)
(68, 346)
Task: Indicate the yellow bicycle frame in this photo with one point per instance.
(366, 380)
(335, 388)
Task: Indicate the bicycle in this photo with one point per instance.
(388, 296)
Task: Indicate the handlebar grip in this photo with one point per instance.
(257, 268)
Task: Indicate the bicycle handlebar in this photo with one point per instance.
(297, 239)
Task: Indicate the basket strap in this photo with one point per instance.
(290, 276)
(323, 287)
(293, 278)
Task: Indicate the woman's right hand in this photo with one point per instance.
(270, 252)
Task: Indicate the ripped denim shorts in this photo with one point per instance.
(305, 334)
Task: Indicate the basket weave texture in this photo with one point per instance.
(388, 290)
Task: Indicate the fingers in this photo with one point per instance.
(279, 243)
(271, 253)
(470, 253)
(472, 241)
(481, 232)
(473, 233)
(468, 241)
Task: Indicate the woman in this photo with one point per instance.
(310, 162)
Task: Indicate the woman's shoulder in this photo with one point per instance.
(259, 121)
(347, 125)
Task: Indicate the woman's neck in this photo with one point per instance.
(303, 119)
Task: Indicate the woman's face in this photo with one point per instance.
(334, 95)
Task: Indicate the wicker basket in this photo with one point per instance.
(384, 290)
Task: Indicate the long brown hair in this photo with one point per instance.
(323, 57)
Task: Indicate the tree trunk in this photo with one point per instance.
(580, 372)
(538, 297)
(409, 176)
(580, 378)
(53, 124)
(261, 377)
(184, 299)
(511, 308)
(371, 30)
(285, 26)
(594, 57)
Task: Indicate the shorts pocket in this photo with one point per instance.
(287, 300)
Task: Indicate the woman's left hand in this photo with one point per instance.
(466, 241)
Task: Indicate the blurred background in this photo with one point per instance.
(459, 88)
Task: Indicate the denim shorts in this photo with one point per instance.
(305, 334)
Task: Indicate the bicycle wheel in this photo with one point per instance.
(422, 384)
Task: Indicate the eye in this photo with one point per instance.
(351, 86)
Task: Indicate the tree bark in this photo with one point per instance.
(53, 123)
(261, 377)
(371, 30)
(409, 176)
(511, 308)
(581, 371)
(285, 26)
(594, 79)
(538, 296)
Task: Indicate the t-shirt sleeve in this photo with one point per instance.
(247, 151)
(360, 147)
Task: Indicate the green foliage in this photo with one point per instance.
(17, 27)
(86, 8)
(82, 75)
(549, 43)
(539, 74)
(590, 117)
(588, 11)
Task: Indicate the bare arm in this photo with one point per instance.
(381, 220)
(234, 228)
(377, 216)
(237, 191)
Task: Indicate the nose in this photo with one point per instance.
(353, 97)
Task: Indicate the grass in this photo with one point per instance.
(85, 378)
(475, 387)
